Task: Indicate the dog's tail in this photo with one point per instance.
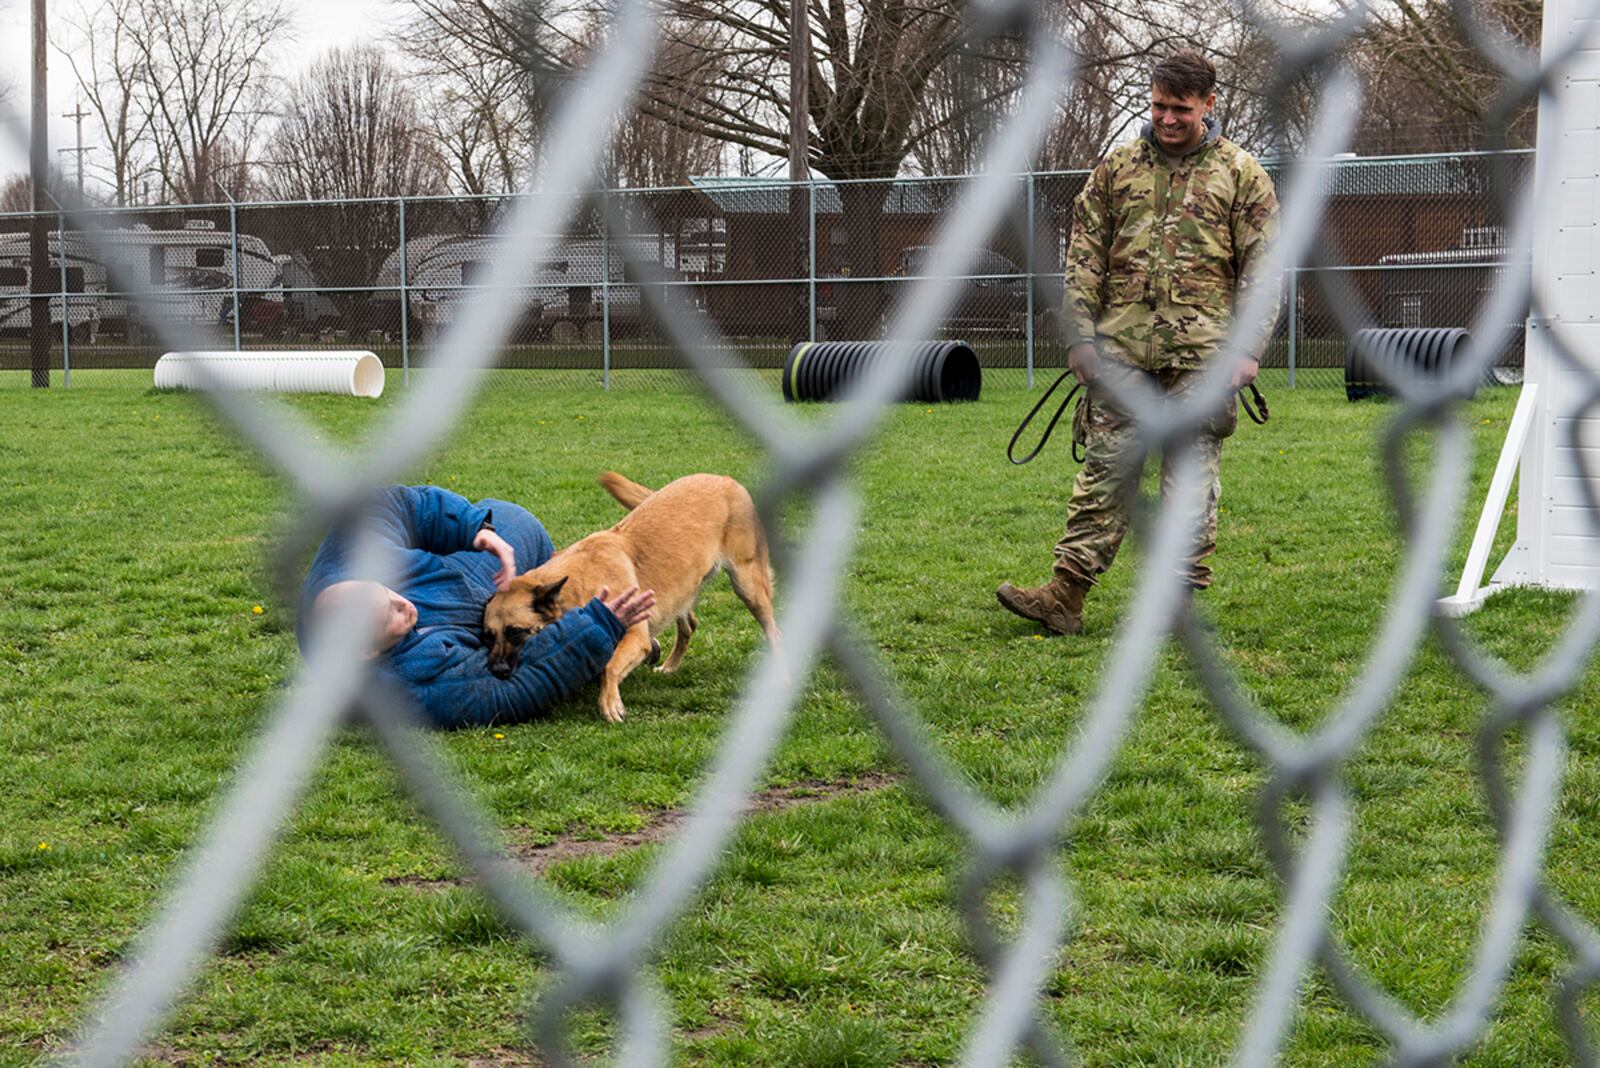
(629, 494)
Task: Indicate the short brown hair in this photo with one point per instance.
(1185, 73)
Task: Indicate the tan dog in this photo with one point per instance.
(672, 541)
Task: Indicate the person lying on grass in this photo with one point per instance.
(449, 558)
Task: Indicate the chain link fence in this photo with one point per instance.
(707, 284)
(1409, 242)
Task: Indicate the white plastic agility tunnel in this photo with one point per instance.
(351, 374)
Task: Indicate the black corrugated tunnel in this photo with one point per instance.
(941, 370)
(1422, 352)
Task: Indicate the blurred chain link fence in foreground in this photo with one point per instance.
(692, 291)
(1416, 240)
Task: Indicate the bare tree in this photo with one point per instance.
(351, 127)
(204, 70)
(1427, 88)
(482, 126)
(16, 192)
(484, 121)
(1090, 119)
(648, 151)
(100, 48)
(1114, 46)
(964, 97)
(351, 133)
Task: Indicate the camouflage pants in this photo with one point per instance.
(1102, 495)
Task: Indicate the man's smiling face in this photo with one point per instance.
(1179, 121)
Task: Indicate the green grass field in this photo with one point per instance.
(135, 673)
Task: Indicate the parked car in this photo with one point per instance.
(306, 311)
(990, 298)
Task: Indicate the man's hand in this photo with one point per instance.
(1083, 361)
(1244, 373)
(490, 542)
(630, 606)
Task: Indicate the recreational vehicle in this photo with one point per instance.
(563, 299)
(85, 282)
(189, 274)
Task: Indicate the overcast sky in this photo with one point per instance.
(319, 24)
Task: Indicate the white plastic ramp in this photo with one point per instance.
(350, 374)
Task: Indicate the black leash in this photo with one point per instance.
(1261, 402)
(1259, 413)
(1073, 392)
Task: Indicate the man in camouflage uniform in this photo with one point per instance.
(1169, 233)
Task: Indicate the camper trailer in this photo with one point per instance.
(85, 282)
(565, 297)
(190, 276)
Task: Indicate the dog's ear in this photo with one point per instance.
(546, 595)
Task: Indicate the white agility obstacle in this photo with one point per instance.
(351, 374)
(1555, 547)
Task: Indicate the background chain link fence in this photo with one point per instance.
(1413, 240)
(886, 257)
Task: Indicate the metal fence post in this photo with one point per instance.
(232, 227)
(66, 317)
(1028, 252)
(1294, 316)
(405, 305)
(811, 253)
(233, 238)
(605, 295)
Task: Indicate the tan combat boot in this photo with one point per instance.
(1058, 604)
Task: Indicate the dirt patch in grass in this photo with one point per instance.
(507, 1058)
(717, 1026)
(662, 825)
(541, 857)
(417, 882)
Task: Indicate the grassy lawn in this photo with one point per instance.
(135, 673)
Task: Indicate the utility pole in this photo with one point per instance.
(38, 241)
(78, 115)
(799, 86)
(799, 168)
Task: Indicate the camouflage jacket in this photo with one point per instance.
(1160, 254)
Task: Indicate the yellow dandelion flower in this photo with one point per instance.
(257, 610)
(44, 847)
(497, 734)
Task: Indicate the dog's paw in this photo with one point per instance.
(613, 711)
